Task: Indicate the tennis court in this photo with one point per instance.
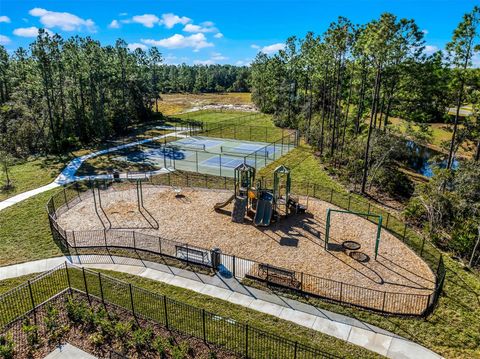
(214, 156)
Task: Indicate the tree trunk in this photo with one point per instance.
(470, 263)
(455, 125)
(372, 115)
(477, 152)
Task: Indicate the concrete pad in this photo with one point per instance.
(187, 283)
(216, 292)
(32, 267)
(403, 349)
(377, 343)
(335, 329)
(157, 275)
(300, 318)
(266, 307)
(68, 351)
(240, 299)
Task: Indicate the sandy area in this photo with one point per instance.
(192, 219)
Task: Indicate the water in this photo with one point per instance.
(423, 160)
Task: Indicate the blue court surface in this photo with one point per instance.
(214, 156)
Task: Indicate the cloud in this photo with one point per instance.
(64, 20)
(147, 20)
(253, 46)
(170, 20)
(218, 56)
(4, 40)
(425, 31)
(135, 45)
(203, 62)
(218, 35)
(271, 49)
(123, 14)
(4, 18)
(177, 41)
(114, 24)
(29, 31)
(198, 28)
(430, 49)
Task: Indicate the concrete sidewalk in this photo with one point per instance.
(229, 289)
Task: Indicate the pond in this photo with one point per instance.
(423, 160)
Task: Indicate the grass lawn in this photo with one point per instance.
(173, 104)
(31, 174)
(25, 233)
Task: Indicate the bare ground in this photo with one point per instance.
(191, 218)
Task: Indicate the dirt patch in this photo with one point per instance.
(295, 243)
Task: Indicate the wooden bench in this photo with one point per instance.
(279, 276)
(193, 255)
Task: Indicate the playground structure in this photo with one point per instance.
(266, 204)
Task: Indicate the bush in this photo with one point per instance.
(141, 339)
(31, 331)
(7, 350)
(54, 328)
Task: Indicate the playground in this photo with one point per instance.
(264, 225)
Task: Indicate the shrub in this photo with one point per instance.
(96, 339)
(141, 339)
(6, 347)
(161, 345)
(181, 351)
(53, 326)
(31, 331)
(76, 311)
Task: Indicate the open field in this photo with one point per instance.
(174, 104)
(284, 244)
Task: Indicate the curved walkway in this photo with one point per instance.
(68, 173)
(348, 329)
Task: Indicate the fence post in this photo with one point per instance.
(134, 241)
(246, 341)
(131, 299)
(105, 237)
(204, 327)
(423, 245)
(74, 241)
(68, 277)
(86, 286)
(388, 218)
(404, 231)
(369, 208)
(165, 308)
(101, 288)
(384, 297)
(349, 199)
(33, 302)
(341, 291)
(159, 245)
(301, 281)
(295, 350)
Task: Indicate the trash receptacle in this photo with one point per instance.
(216, 252)
(116, 175)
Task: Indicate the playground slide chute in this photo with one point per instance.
(224, 204)
(264, 211)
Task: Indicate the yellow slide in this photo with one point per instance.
(224, 204)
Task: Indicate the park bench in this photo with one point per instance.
(193, 255)
(278, 275)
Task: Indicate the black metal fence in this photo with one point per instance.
(226, 333)
(240, 268)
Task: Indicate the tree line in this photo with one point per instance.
(61, 94)
(345, 87)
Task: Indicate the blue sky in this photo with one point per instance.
(215, 31)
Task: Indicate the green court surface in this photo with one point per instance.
(208, 155)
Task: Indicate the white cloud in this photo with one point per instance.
(29, 31)
(114, 25)
(476, 60)
(170, 20)
(218, 35)
(136, 45)
(208, 24)
(177, 41)
(64, 20)
(4, 40)
(245, 62)
(198, 28)
(271, 49)
(425, 31)
(147, 20)
(430, 49)
(253, 46)
(218, 56)
(4, 18)
(203, 62)
(123, 14)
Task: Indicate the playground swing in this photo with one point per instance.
(351, 245)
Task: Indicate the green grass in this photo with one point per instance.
(31, 174)
(25, 233)
(181, 317)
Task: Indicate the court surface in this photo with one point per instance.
(214, 156)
